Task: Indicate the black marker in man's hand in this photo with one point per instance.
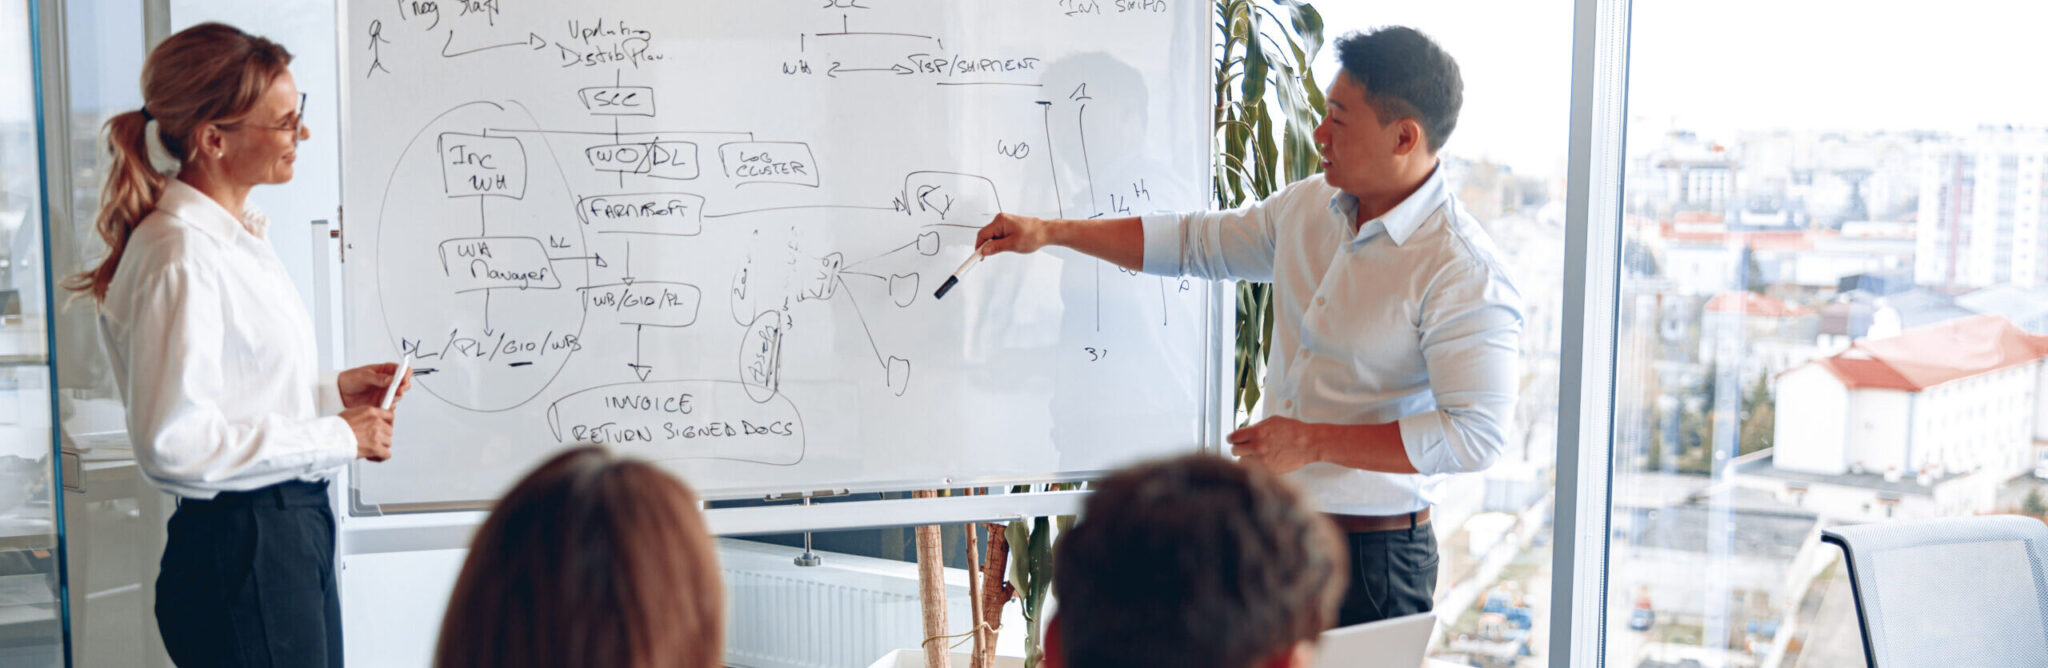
(957, 273)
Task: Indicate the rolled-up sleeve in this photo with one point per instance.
(327, 393)
(1238, 243)
(1471, 325)
(177, 386)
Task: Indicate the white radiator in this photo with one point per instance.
(845, 613)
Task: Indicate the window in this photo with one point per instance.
(1869, 217)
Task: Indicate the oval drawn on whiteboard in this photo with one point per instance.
(761, 356)
(500, 328)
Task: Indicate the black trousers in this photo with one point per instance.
(248, 580)
(1393, 573)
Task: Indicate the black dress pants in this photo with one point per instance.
(248, 580)
(1393, 573)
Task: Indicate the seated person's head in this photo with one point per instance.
(1194, 562)
(591, 560)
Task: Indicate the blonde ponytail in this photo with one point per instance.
(131, 192)
(207, 73)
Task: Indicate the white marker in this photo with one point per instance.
(391, 391)
(972, 260)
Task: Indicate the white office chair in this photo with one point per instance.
(1966, 591)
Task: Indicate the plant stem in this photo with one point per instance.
(931, 589)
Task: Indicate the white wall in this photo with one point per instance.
(1985, 422)
(1812, 409)
(396, 623)
(2040, 402)
(1878, 430)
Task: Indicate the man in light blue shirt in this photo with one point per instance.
(1395, 354)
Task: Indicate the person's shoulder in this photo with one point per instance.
(165, 239)
(1453, 228)
(162, 246)
(1311, 193)
(1461, 242)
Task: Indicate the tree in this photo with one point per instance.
(1654, 461)
(2033, 505)
(1710, 386)
(1759, 416)
(1695, 440)
(1752, 273)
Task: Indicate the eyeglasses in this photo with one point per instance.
(298, 121)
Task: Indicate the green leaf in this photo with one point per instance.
(1264, 306)
(1298, 156)
(1041, 561)
(1300, 146)
(1308, 23)
(1257, 149)
(1255, 67)
(1315, 94)
(1018, 534)
(1268, 156)
(1312, 91)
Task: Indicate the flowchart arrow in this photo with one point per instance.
(533, 41)
(639, 369)
(899, 69)
(628, 278)
(593, 258)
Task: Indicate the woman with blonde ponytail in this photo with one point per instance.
(213, 352)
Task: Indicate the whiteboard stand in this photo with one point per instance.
(419, 532)
(808, 558)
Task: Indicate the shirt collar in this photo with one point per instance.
(187, 203)
(1400, 222)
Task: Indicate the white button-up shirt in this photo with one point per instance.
(214, 354)
(1411, 319)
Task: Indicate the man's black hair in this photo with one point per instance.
(1405, 75)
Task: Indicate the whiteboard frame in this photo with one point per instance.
(394, 527)
(418, 532)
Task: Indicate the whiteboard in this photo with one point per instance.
(708, 234)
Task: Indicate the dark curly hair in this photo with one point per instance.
(1194, 562)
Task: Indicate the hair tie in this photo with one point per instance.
(145, 115)
(160, 158)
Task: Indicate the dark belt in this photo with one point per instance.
(283, 495)
(1370, 523)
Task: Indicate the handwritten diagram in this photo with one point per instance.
(617, 224)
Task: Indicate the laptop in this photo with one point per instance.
(1389, 643)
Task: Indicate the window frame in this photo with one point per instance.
(1593, 245)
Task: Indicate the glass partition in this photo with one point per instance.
(113, 520)
(32, 629)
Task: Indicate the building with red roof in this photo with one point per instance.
(1957, 397)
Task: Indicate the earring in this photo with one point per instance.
(220, 154)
